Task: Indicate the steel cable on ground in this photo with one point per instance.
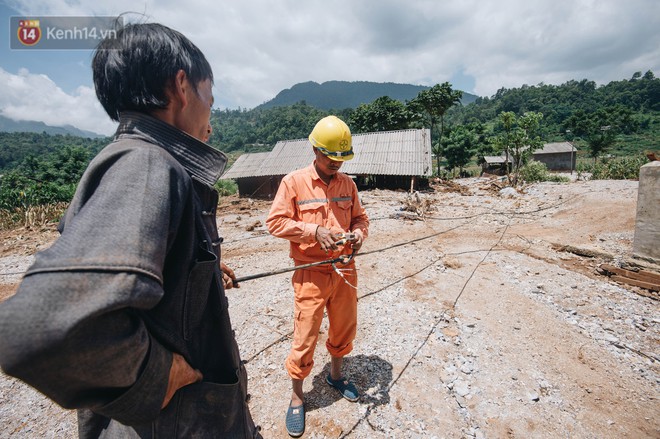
(265, 234)
(360, 254)
(379, 218)
(425, 217)
(434, 326)
(481, 262)
(14, 273)
(433, 329)
(428, 335)
(288, 335)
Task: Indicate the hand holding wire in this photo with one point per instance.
(326, 239)
(358, 239)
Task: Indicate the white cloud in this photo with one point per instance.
(28, 96)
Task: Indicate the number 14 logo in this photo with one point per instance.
(29, 32)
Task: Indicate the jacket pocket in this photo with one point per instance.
(208, 410)
(203, 410)
(312, 212)
(197, 289)
(342, 211)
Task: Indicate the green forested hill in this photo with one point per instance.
(338, 95)
(11, 126)
(576, 110)
(15, 147)
(559, 103)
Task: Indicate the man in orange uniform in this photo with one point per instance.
(313, 207)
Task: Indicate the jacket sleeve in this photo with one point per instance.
(74, 329)
(283, 220)
(359, 218)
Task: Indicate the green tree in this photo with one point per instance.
(459, 147)
(431, 106)
(383, 114)
(45, 180)
(519, 139)
(600, 141)
(261, 128)
(600, 128)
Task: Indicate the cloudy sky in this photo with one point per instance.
(260, 47)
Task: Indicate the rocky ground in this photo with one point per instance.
(473, 323)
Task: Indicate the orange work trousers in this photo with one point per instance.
(316, 290)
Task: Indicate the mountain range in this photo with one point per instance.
(12, 126)
(338, 95)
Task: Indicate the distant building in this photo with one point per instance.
(495, 164)
(559, 156)
(388, 160)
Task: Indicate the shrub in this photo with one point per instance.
(583, 170)
(226, 187)
(626, 168)
(535, 171)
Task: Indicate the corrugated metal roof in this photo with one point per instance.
(404, 152)
(287, 156)
(548, 148)
(553, 148)
(246, 165)
(496, 159)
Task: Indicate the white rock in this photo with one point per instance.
(461, 388)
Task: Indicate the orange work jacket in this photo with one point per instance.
(304, 202)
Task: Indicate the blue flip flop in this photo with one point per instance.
(295, 420)
(345, 387)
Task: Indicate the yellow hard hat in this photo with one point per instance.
(332, 137)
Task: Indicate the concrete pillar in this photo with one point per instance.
(647, 225)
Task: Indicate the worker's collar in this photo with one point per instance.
(201, 160)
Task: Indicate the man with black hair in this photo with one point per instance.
(125, 316)
(314, 208)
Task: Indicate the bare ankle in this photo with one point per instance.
(297, 392)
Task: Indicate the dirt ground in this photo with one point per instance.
(473, 323)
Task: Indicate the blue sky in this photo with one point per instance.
(260, 47)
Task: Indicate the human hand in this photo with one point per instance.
(228, 277)
(326, 239)
(181, 374)
(356, 244)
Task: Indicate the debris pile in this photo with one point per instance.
(416, 204)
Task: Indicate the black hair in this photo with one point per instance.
(133, 68)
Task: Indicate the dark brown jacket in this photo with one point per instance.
(133, 277)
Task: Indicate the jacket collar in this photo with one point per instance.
(201, 160)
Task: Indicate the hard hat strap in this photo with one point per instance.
(334, 153)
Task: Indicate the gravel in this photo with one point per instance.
(478, 329)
